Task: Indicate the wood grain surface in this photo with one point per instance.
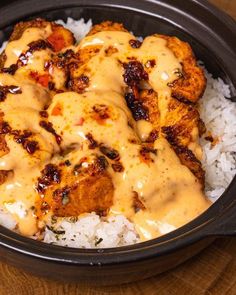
(212, 272)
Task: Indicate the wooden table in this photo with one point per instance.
(211, 272)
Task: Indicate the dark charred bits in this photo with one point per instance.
(98, 166)
(50, 175)
(4, 90)
(109, 152)
(33, 46)
(92, 142)
(101, 112)
(152, 136)
(48, 127)
(67, 163)
(110, 50)
(5, 128)
(117, 167)
(43, 114)
(150, 63)
(62, 195)
(137, 203)
(145, 154)
(78, 84)
(20, 137)
(51, 85)
(138, 110)
(24, 57)
(10, 70)
(209, 138)
(135, 43)
(134, 73)
(44, 206)
(101, 163)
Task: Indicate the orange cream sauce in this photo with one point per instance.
(171, 194)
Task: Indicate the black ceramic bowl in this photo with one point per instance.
(212, 35)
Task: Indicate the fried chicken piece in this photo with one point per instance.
(192, 82)
(106, 26)
(178, 122)
(149, 99)
(71, 191)
(3, 176)
(51, 44)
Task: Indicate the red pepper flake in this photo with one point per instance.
(144, 154)
(57, 110)
(41, 79)
(57, 41)
(100, 113)
(135, 43)
(80, 122)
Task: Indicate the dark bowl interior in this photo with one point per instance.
(142, 18)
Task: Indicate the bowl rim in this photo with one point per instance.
(204, 225)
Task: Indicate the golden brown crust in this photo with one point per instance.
(59, 39)
(71, 191)
(3, 176)
(150, 101)
(106, 26)
(191, 85)
(177, 126)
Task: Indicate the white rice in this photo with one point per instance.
(92, 232)
(219, 161)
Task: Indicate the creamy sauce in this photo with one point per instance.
(170, 193)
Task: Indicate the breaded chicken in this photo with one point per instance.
(59, 39)
(106, 26)
(73, 190)
(178, 125)
(192, 83)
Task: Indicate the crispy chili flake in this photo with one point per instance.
(80, 122)
(23, 138)
(145, 154)
(62, 195)
(117, 167)
(78, 84)
(51, 85)
(109, 152)
(10, 70)
(150, 63)
(152, 136)
(135, 43)
(5, 128)
(33, 46)
(50, 174)
(92, 142)
(137, 203)
(24, 57)
(44, 206)
(100, 113)
(101, 163)
(134, 73)
(41, 79)
(43, 114)
(31, 146)
(138, 110)
(209, 138)
(110, 50)
(57, 110)
(67, 163)
(12, 89)
(178, 73)
(48, 127)
(57, 41)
